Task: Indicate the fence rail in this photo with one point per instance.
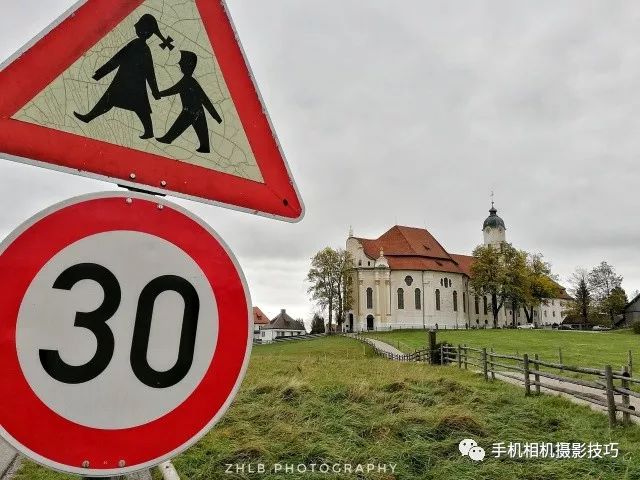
(309, 336)
(528, 371)
(423, 355)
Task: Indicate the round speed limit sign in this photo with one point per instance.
(125, 333)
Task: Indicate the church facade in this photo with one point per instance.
(406, 279)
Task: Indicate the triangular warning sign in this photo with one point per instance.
(152, 94)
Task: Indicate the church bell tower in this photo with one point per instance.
(493, 228)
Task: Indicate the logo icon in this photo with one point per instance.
(469, 447)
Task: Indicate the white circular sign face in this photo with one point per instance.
(126, 331)
(46, 321)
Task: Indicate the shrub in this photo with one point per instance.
(635, 327)
(317, 325)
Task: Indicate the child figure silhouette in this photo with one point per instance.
(128, 89)
(194, 102)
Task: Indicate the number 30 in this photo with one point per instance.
(96, 322)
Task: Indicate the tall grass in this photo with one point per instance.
(331, 400)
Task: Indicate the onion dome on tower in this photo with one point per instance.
(493, 228)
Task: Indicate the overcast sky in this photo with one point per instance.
(411, 113)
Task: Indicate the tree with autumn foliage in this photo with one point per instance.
(542, 284)
(329, 285)
(501, 273)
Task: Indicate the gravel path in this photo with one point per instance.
(635, 402)
(385, 347)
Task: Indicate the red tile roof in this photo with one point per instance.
(259, 318)
(408, 248)
(464, 262)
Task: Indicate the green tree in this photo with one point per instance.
(317, 324)
(615, 303)
(488, 276)
(345, 287)
(582, 305)
(501, 273)
(328, 279)
(603, 281)
(517, 287)
(542, 284)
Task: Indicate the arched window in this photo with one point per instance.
(369, 297)
(418, 297)
(455, 301)
(400, 299)
(485, 305)
(464, 302)
(437, 299)
(477, 305)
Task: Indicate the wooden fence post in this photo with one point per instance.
(630, 362)
(484, 364)
(611, 401)
(432, 346)
(536, 377)
(527, 381)
(493, 368)
(459, 356)
(466, 356)
(441, 355)
(560, 356)
(626, 417)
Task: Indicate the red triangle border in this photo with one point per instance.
(51, 55)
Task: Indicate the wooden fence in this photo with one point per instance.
(604, 385)
(422, 355)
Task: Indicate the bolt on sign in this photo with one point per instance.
(151, 94)
(125, 334)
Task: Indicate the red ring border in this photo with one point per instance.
(42, 431)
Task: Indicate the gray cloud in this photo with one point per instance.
(411, 112)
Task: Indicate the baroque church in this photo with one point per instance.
(406, 279)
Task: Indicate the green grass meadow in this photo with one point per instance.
(332, 400)
(588, 349)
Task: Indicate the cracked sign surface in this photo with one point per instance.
(76, 91)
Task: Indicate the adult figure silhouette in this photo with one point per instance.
(128, 89)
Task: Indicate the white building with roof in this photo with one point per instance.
(282, 326)
(406, 279)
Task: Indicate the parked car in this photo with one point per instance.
(527, 326)
(600, 328)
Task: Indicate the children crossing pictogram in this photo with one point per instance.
(122, 91)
